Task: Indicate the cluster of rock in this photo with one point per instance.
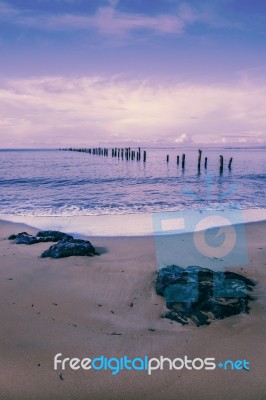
(201, 295)
(66, 245)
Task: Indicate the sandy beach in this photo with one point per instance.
(106, 305)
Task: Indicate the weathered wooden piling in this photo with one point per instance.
(221, 164)
(183, 160)
(144, 156)
(230, 163)
(167, 158)
(205, 162)
(177, 160)
(199, 159)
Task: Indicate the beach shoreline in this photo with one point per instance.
(107, 305)
(142, 224)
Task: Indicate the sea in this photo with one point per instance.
(45, 184)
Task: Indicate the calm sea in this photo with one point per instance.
(59, 183)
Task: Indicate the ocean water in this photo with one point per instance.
(62, 183)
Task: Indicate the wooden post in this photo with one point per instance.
(144, 156)
(230, 163)
(177, 160)
(183, 160)
(205, 162)
(167, 158)
(221, 164)
(199, 159)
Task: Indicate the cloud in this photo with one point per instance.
(107, 20)
(7, 11)
(86, 110)
(182, 138)
(113, 3)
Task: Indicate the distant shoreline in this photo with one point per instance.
(136, 145)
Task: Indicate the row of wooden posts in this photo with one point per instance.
(122, 153)
(205, 161)
(137, 155)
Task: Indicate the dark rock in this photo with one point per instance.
(12, 237)
(200, 295)
(177, 315)
(25, 238)
(52, 236)
(69, 247)
(167, 276)
(42, 236)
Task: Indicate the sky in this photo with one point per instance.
(105, 72)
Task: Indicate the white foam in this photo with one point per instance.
(118, 225)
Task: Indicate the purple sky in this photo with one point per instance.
(83, 72)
